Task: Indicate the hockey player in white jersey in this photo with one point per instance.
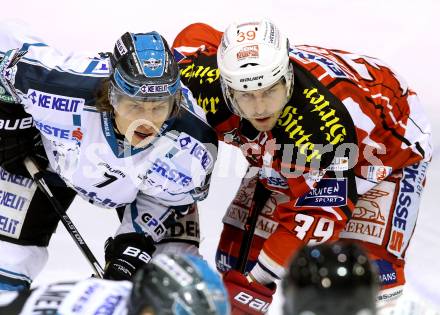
(122, 132)
(171, 284)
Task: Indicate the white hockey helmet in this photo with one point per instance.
(253, 56)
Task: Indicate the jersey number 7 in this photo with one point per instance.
(107, 181)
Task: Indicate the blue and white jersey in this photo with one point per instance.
(171, 284)
(59, 91)
(90, 296)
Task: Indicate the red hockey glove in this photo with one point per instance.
(247, 297)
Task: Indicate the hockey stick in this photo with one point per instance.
(261, 195)
(37, 175)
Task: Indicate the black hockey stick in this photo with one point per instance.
(261, 195)
(37, 175)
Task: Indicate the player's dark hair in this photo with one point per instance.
(102, 103)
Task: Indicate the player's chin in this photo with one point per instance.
(263, 124)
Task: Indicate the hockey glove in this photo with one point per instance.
(18, 139)
(13, 151)
(125, 254)
(247, 297)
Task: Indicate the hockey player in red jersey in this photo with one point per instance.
(339, 138)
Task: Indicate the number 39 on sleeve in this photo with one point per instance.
(318, 230)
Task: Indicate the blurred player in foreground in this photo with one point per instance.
(331, 278)
(170, 284)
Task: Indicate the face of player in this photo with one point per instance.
(262, 107)
(139, 121)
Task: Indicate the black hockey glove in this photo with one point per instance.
(125, 254)
(19, 139)
(13, 151)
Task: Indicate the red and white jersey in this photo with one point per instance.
(351, 123)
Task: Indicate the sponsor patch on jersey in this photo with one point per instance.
(406, 209)
(338, 164)
(273, 178)
(85, 297)
(59, 132)
(185, 229)
(10, 227)
(55, 102)
(387, 274)
(170, 173)
(154, 227)
(196, 149)
(92, 196)
(50, 300)
(330, 192)
(204, 74)
(377, 173)
(16, 193)
(329, 120)
(237, 216)
(371, 213)
(15, 179)
(110, 304)
(306, 57)
(77, 135)
(314, 175)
